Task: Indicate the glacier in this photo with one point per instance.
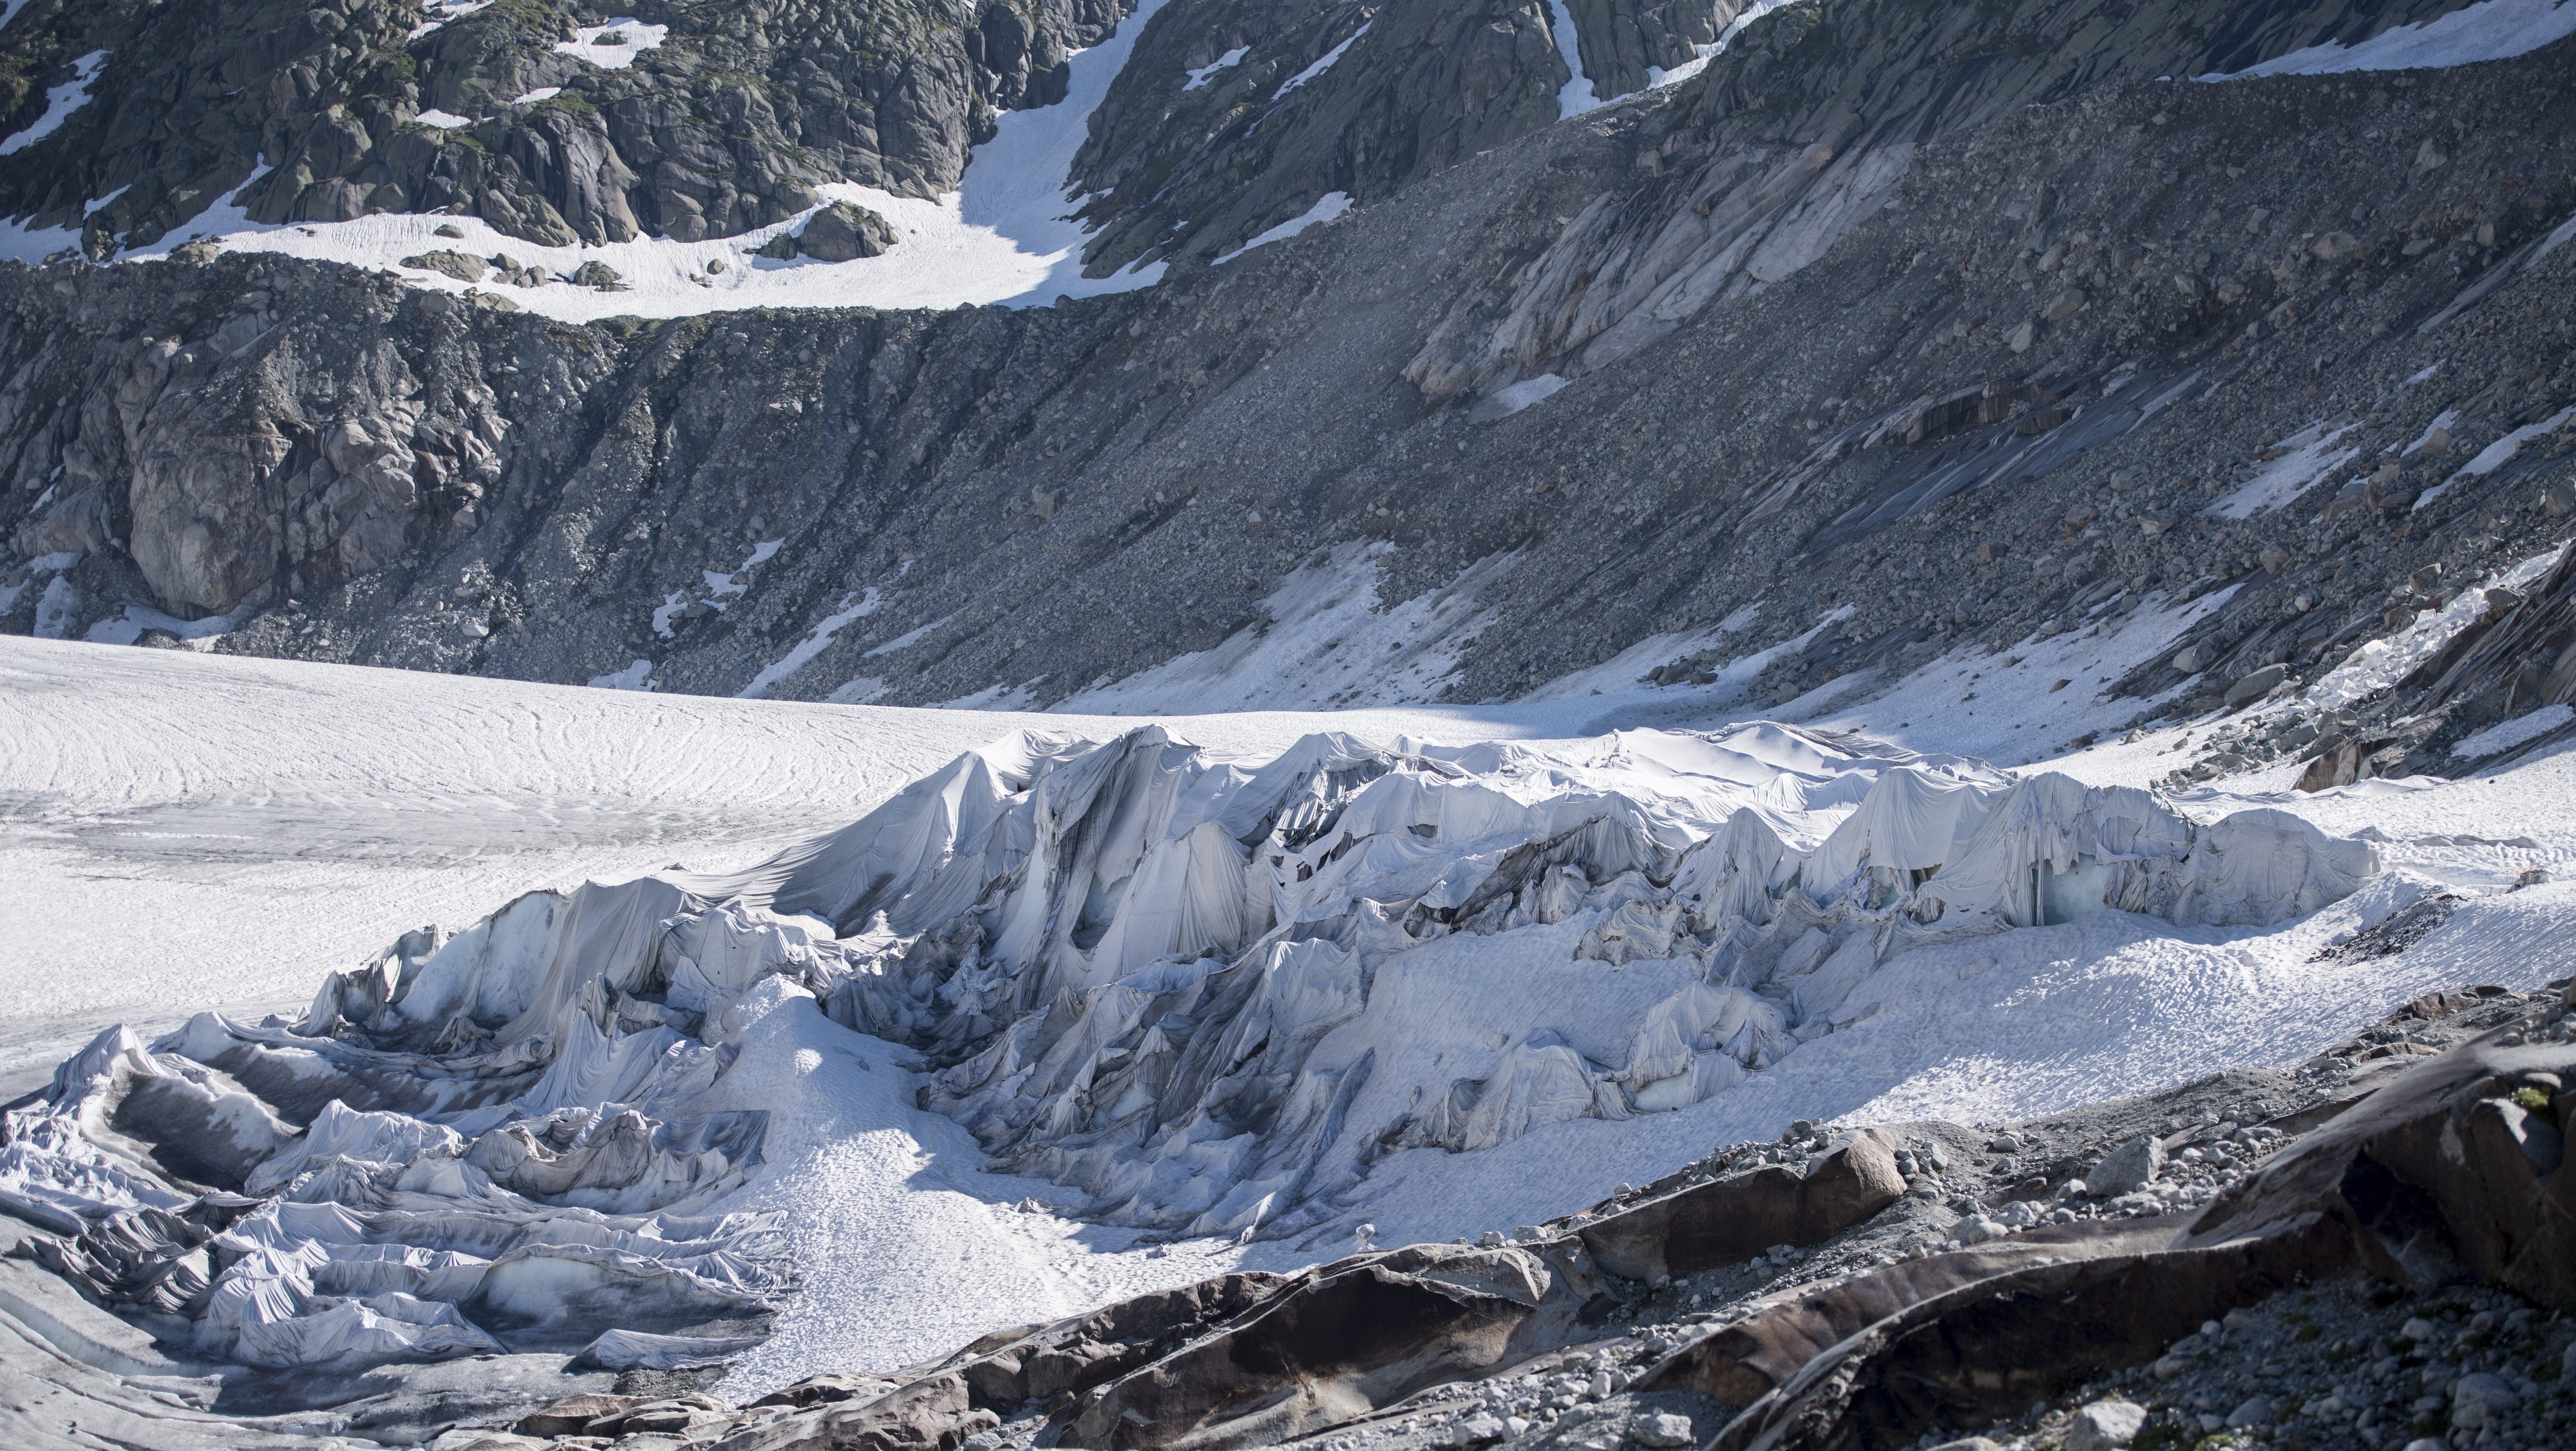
(1207, 994)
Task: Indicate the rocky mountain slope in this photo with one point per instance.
(1941, 335)
(683, 120)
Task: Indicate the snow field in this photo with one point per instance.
(221, 828)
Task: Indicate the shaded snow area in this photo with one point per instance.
(126, 628)
(2026, 704)
(2499, 453)
(2303, 458)
(853, 608)
(2379, 664)
(2505, 735)
(1576, 96)
(1226, 62)
(2489, 30)
(1323, 63)
(60, 102)
(1327, 208)
(1197, 1005)
(1326, 641)
(634, 675)
(1513, 397)
(1657, 76)
(1006, 236)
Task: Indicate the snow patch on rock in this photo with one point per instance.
(1203, 74)
(612, 46)
(2489, 30)
(2505, 735)
(1326, 638)
(1007, 236)
(1576, 96)
(2307, 456)
(1329, 207)
(1323, 63)
(60, 102)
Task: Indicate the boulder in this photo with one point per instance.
(669, 1416)
(1729, 1221)
(1662, 1431)
(2337, 765)
(2106, 1425)
(452, 263)
(2257, 685)
(572, 1415)
(2481, 1398)
(843, 232)
(2129, 1168)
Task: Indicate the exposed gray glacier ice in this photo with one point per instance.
(1208, 994)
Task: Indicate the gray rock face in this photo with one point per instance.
(1789, 139)
(727, 125)
(2129, 1168)
(1854, 433)
(1185, 170)
(2257, 685)
(1662, 1431)
(1190, 173)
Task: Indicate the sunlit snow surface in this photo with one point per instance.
(222, 831)
(1005, 236)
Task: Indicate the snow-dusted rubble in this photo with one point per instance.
(1203, 992)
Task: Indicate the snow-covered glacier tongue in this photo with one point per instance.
(1207, 994)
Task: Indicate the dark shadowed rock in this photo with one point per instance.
(844, 232)
(1728, 1221)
